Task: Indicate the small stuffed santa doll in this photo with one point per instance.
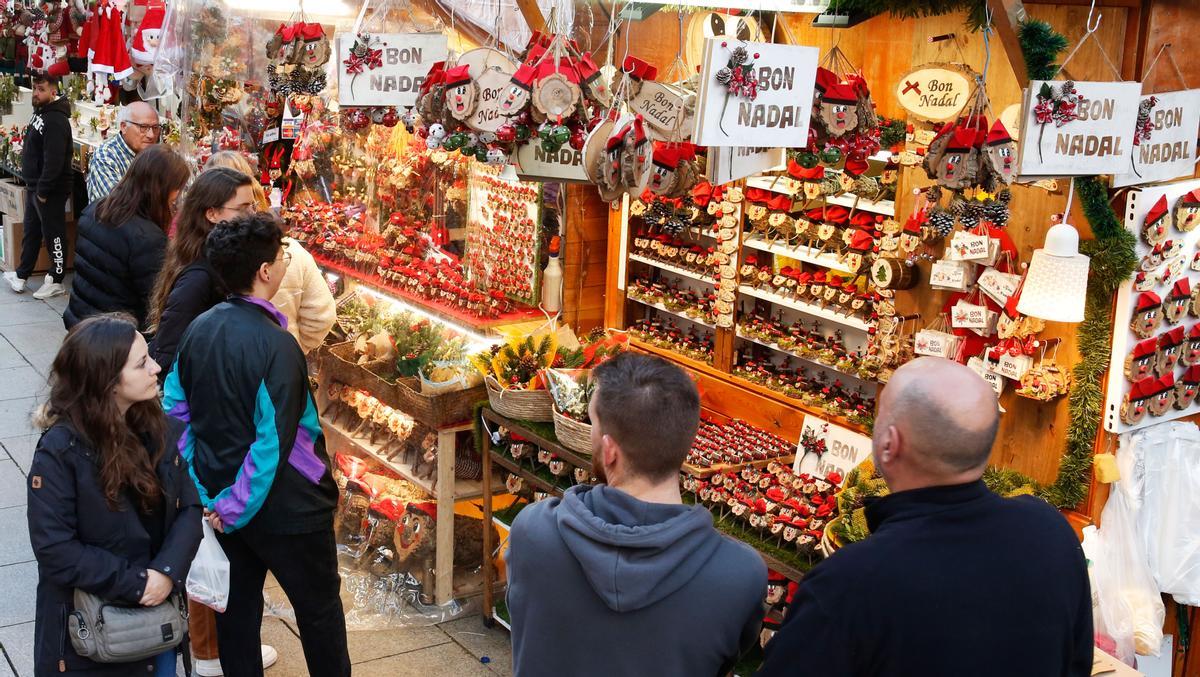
(144, 48)
(103, 43)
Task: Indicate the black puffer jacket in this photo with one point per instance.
(195, 290)
(115, 267)
(80, 543)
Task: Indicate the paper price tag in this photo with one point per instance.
(996, 381)
(969, 247)
(968, 316)
(998, 286)
(1014, 367)
(935, 343)
(949, 275)
(271, 135)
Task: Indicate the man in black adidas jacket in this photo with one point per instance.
(257, 454)
(46, 169)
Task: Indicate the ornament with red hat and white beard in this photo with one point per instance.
(460, 92)
(1158, 221)
(1162, 395)
(1134, 406)
(144, 48)
(1191, 350)
(959, 165)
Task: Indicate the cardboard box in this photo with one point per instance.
(12, 199)
(11, 233)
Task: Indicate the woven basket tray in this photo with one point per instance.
(572, 434)
(522, 405)
(434, 410)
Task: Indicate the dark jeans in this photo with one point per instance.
(306, 567)
(44, 221)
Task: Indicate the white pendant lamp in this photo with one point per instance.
(1055, 287)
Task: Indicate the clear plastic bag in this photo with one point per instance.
(208, 579)
(1130, 609)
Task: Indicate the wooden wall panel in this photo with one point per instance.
(584, 258)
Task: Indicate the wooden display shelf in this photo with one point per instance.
(377, 284)
(699, 471)
(789, 186)
(673, 356)
(515, 468)
(661, 307)
(574, 458)
(810, 255)
(816, 363)
(806, 308)
(793, 402)
(708, 279)
(463, 489)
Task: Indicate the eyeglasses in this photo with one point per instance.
(286, 258)
(247, 208)
(154, 129)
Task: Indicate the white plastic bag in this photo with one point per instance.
(1130, 608)
(208, 580)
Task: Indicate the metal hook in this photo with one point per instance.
(1092, 10)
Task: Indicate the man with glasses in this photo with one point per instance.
(139, 130)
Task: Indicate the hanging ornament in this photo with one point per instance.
(831, 155)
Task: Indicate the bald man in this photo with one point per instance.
(140, 129)
(954, 580)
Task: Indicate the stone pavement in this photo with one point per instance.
(30, 333)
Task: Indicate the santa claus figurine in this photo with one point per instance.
(103, 43)
(145, 47)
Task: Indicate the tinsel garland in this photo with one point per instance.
(907, 9)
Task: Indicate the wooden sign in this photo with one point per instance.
(844, 449)
(1099, 141)
(777, 117)
(1010, 117)
(664, 109)
(735, 162)
(935, 92)
(535, 164)
(492, 72)
(405, 60)
(1170, 152)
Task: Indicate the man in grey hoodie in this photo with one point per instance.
(621, 578)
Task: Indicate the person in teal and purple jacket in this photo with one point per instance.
(256, 452)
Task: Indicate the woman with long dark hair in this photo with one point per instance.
(112, 510)
(121, 239)
(187, 285)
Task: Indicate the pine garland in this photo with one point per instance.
(907, 9)
(1041, 45)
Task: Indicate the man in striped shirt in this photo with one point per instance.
(139, 130)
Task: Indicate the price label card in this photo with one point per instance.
(968, 316)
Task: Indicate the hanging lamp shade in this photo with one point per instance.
(1056, 285)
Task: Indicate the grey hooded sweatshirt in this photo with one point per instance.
(600, 583)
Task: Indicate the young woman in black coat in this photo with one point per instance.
(112, 509)
(187, 286)
(121, 239)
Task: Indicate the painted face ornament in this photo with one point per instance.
(1001, 153)
(460, 92)
(839, 109)
(1147, 316)
(1191, 349)
(1176, 305)
(1162, 397)
(1133, 408)
(1186, 388)
(663, 175)
(1158, 222)
(1170, 345)
(958, 164)
(1187, 212)
(1141, 360)
(517, 94)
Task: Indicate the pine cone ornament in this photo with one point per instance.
(997, 213)
(941, 221)
(724, 76)
(957, 206)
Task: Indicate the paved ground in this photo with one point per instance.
(30, 333)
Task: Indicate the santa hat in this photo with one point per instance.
(998, 135)
(150, 28)
(1191, 375)
(1163, 384)
(855, 166)
(804, 174)
(962, 140)
(1171, 338)
(523, 77)
(1147, 300)
(587, 68)
(311, 31)
(638, 69)
(429, 508)
(1191, 199)
(1145, 348)
(666, 156)
(1181, 290)
(840, 93)
(861, 241)
(1157, 212)
(825, 79)
(912, 227)
(459, 75)
(435, 76)
(391, 508)
(819, 277)
(1143, 388)
(1195, 332)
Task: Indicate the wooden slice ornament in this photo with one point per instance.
(1134, 406)
(554, 95)
(1191, 351)
(1157, 224)
(460, 92)
(891, 273)
(935, 92)
(1140, 361)
(1187, 212)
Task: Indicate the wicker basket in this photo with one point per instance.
(343, 366)
(572, 434)
(436, 410)
(522, 405)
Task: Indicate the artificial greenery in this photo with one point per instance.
(976, 10)
(1040, 44)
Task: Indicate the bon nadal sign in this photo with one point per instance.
(1077, 128)
(844, 449)
(1164, 138)
(388, 70)
(534, 163)
(935, 92)
(763, 100)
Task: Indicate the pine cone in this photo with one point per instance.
(941, 221)
(724, 76)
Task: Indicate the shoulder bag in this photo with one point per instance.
(109, 632)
